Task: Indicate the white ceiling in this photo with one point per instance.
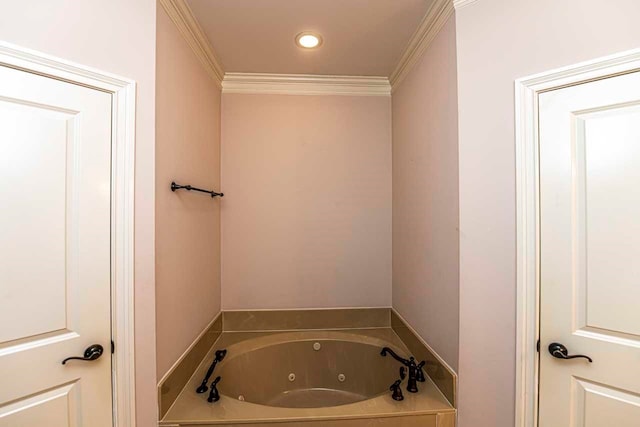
(361, 37)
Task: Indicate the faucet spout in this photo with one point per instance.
(386, 350)
(220, 354)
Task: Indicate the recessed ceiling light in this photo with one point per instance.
(308, 40)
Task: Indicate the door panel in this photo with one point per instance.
(611, 240)
(34, 163)
(57, 407)
(55, 188)
(590, 244)
(597, 405)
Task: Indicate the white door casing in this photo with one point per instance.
(589, 251)
(111, 201)
(586, 315)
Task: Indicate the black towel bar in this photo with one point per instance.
(175, 187)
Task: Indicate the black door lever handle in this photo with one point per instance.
(559, 351)
(91, 353)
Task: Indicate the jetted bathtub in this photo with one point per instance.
(297, 377)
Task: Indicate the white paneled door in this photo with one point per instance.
(590, 254)
(55, 196)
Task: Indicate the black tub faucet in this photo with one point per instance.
(220, 354)
(415, 370)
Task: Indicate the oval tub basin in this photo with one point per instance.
(298, 374)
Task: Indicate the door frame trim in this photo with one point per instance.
(527, 90)
(123, 93)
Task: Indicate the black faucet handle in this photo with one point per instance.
(420, 372)
(403, 372)
(396, 391)
(220, 354)
(214, 395)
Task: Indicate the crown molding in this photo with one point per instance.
(301, 84)
(305, 84)
(431, 24)
(459, 4)
(182, 16)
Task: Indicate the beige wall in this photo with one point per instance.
(499, 41)
(306, 218)
(117, 36)
(425, 197)
(187, 224)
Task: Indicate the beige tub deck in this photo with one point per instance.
(426, 408)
